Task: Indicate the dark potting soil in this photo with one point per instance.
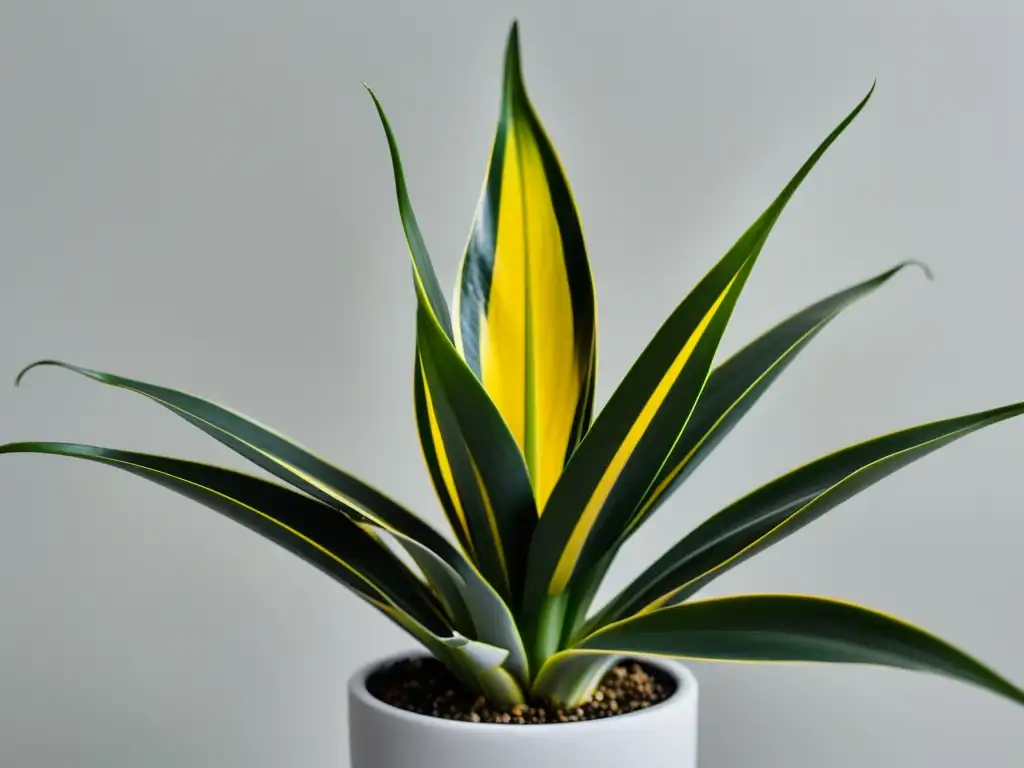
(427, 687)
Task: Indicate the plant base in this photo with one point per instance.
(659, 731)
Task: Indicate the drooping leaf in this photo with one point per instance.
(322, 537)
(781, 628)
(525, 319)
(783, 507)
(301, 468)
(279, 455)
(615, 464)
(735, 386)
(489, 481)
(306, 527)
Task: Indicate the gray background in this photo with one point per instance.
(198, 193)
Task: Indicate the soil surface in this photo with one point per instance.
(425, 686)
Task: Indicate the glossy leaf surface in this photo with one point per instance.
(483, 472)
(317, 533)
(784, 506)
(788, 628)
(735, 386)
(525, 316)
(620, 457)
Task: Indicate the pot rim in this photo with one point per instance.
(686, 690)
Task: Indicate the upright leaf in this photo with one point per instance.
(524, 303)
(614, 466)
(438, 464)
(783, 507)
(422, 267)
(488, 474)
(778, 628)
(486, 479)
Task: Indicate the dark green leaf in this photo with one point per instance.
(297, 465)
(280, 456)
(314, 531)
(783, 507)
(613, 468)
(775, 628)
(490, 482)
(490, 478)
(422, 266)
(735, 386)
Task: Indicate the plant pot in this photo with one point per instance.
(661, 736)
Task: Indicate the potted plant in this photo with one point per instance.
(519, 665)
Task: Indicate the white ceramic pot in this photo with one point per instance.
(662, 736)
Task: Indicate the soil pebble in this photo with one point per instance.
(427, 687)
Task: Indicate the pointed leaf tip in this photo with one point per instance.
(513, 65)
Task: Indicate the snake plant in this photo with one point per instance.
(541, 493)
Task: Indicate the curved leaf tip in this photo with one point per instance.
(428, 290)
(30, 366)
(928, 273)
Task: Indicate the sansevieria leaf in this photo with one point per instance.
(280, 456)
(427, 286)
(619, 458)
(788, 628)
(735, 386)
(488, 481)
(304, 526)
(731, 391)
(492, 621)
(525, 319)
(783, 507)
(438, 464)
(321, 536)
(482, 469)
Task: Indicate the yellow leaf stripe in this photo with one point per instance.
(445, 568)
(655, 494)
(464, 482)
(445, 485)
(365, 587)
(567, 562)
(524, 301)
(775, 629)
(810, 321)
(825, 495)
(492, 520)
